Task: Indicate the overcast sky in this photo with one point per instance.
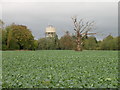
(38, 15)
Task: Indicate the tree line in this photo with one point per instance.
(19, 37)
(68, 42)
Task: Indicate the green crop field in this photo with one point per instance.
(59, 69)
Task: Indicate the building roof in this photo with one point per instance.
(50, 28)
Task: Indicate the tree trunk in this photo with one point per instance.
(79, 46)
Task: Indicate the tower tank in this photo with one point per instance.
(50, 31)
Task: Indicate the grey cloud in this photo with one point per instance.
(38, 15)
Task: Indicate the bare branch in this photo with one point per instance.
(75, 22)
(84, 28)
(75, 29)
(88, 26)
(80, 21)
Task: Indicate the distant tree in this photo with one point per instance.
(98, 45)
(56, 40)
(2, 35)
(19, 37)
(114, 44)
(90, 43)
(106, 44)
(67, 42)
(48, 43)
(35, 44)
(118, 42)
(81, 30)
(1, 24)
(8, 35)
(0, 39)
(42, 44)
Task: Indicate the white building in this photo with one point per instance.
(50, 31)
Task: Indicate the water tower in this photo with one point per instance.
(50, 31)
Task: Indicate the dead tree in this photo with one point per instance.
(81, 29)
